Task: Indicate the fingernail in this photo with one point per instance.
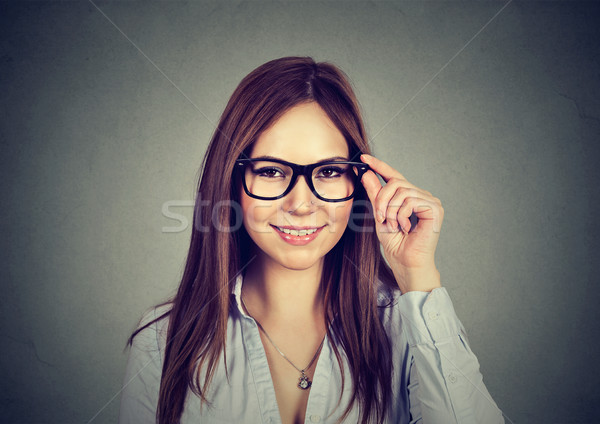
(380, 216)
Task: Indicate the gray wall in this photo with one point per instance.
(106, 116)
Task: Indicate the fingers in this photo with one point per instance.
(430, 214)
(390, 198)
(382, 168)
(395, 202)
(372, 186)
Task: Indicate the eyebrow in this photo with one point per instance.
(267, 157)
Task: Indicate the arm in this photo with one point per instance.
(444, 383)
(139, 396)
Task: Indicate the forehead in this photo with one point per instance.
(304, 134)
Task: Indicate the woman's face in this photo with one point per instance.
(303, 135)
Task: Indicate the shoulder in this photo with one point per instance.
(152, 328)
(143, 373)
(387, 293)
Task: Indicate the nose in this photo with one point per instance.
(300, 199)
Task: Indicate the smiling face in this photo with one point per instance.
(303, 135)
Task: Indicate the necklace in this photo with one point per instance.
(303, 382)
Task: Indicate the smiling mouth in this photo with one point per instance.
(302, 232)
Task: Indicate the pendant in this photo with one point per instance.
(303, 382)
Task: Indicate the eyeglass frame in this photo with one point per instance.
(297, 170)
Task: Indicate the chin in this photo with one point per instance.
(298, 266)
(297, 261)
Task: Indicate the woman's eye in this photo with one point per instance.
(331, 172)
(268, 172)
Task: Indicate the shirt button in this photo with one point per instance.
(452, 377)
(315, 418)
(433, 315)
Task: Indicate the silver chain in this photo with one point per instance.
(279, 350)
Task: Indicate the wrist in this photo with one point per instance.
(423, 279)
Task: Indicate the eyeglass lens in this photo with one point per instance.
(271, 179)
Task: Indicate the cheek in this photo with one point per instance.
(255, 213)
(339, 214)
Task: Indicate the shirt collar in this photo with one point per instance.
(237, 293)
(384, 294)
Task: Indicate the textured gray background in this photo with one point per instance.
(502, 127)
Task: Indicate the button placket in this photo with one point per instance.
(433, 315)
(260, 372)
(315, 407)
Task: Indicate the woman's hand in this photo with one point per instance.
(409, 250)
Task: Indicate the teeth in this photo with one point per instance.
(297, 232)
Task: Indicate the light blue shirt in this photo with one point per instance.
(435, 375)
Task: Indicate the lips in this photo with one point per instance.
(297, 231)
(298, 236)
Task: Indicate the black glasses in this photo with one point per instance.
(271, 179)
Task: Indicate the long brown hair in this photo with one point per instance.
(219, 250)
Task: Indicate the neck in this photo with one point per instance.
(273, 292)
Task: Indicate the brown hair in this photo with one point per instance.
(200, 309)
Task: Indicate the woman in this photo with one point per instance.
(287, 311)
